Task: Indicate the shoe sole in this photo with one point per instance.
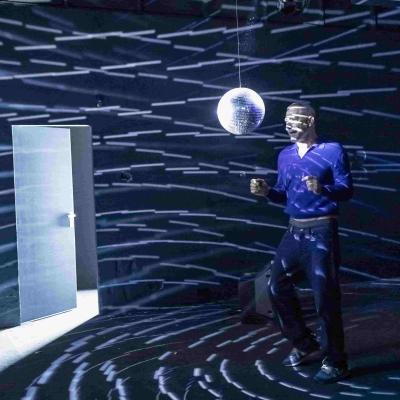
(346, 376)
(303, 360)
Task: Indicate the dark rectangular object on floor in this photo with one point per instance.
(253, 297)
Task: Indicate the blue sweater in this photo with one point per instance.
(327, 162)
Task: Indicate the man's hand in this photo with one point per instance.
(259, 187)
(312, 184)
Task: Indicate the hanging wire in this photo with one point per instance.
(238, 44)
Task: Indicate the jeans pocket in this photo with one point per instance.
(322, 234)
(326, 229)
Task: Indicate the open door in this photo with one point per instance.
(45, 220)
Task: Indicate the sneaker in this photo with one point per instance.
(297, 356)
(330, 374)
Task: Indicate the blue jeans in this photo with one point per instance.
(316, 251)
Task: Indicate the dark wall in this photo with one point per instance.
(185, 226)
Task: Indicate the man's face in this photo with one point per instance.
(298, 121)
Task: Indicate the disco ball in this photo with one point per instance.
(240, 111)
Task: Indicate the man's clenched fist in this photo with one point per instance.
(312, 184)
(259, 187)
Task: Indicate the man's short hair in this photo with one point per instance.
(305, 108)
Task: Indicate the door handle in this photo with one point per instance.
(71, 219)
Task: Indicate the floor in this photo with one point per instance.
(205, 352)
(18, 342)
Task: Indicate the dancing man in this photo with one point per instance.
(313, 176)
